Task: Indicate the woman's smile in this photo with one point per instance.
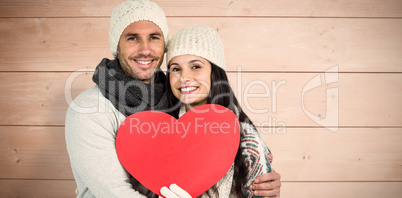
(188, 89)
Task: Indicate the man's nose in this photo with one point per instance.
(144, 48)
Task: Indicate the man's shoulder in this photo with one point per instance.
(89, 96)
(89, 101)
(92, 105)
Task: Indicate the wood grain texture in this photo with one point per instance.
(38, 98)
(279, 57)
(341, 189)
(66, 188)
(37, 188)
(350, 154)
(285, 8)
(351, 100)
(34, 153)
(42, 98)
(300, 154)
(274, 44)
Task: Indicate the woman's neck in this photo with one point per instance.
(189, 107)
(192, 106)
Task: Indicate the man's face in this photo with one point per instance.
(140, 50)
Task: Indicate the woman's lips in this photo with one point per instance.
(188, 90)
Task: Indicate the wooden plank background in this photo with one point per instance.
(355, 45)
(274, 50)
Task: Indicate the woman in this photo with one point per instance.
(196, 76)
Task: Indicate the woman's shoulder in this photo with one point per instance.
(248, 128)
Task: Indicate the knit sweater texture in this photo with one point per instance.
(91, 125)
(92, 122)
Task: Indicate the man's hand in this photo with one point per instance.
(174, 191)
(267, 185)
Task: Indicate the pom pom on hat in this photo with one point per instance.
(131, 11)
(200, 41)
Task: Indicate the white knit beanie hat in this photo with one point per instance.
(200, 41)
(131, 11)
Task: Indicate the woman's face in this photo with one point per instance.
(190, 79)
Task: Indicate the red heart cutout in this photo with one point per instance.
(194, 152)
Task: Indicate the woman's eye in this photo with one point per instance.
(196, 67)
(175, 69)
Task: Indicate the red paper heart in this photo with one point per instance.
(194, 152)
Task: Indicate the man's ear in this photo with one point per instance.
(117, 51)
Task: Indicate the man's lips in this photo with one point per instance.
(145, 64)
(187, 89)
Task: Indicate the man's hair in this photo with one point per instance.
(131, 11)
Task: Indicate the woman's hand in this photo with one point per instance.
(267, 185)
(174, 191)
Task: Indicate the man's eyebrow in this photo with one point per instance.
(136, 34)
(131, 35)
(156, 34)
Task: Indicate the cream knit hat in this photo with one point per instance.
(131, 11)
(199, 41)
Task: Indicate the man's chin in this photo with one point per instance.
(147, 79)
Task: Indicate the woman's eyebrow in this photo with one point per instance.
(196, 60)
(172, 64)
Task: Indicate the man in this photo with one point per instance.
(130, 83)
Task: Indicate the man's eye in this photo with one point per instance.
(155, 38)
(131, 38)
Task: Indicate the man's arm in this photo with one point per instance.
(267, 185)
(90, 139)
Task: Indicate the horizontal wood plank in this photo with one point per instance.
(300, 154)
(66, 188)
(39, 98)
(350, 154)
(269, 98)
(34, 153)
(294, 8)
(274, 44)
(341, 189)
(37, 188)
(309, 99)
(332, 134)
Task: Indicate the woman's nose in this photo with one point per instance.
(185, 76)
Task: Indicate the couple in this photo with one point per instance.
(132, 82)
